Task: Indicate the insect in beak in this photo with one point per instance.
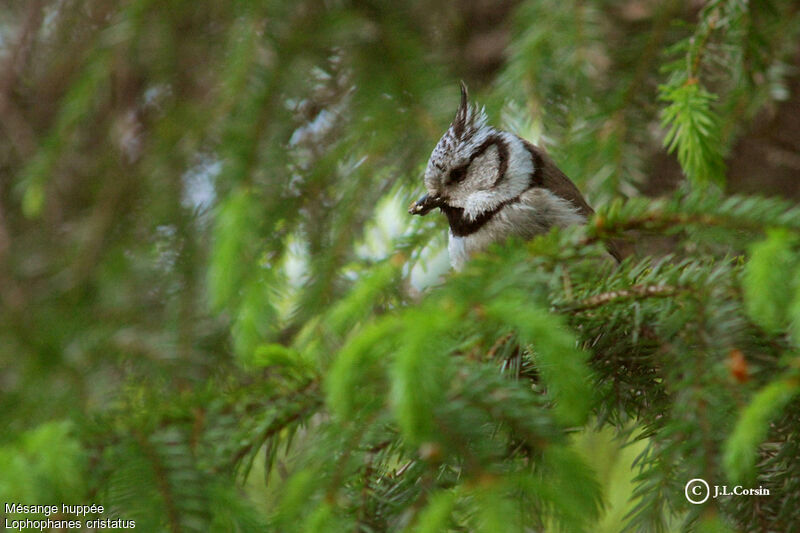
(425, 204)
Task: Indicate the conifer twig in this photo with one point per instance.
(632, 293)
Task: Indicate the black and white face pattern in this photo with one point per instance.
(474, 168)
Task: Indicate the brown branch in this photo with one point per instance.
(657, 220)
(369, 469)
(307, 404)
(644, 66)
(18, 55)
(160, 473)
(633, 293)
(12, 121)
(498, 344)
(700, 50)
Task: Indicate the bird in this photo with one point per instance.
(492, 184)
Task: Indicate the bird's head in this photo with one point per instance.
(473, 167)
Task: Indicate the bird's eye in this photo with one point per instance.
(457, 175)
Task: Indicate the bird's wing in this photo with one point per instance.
(547, 175)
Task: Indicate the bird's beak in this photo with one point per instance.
(425, 204)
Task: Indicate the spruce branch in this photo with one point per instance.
(162, 481)
(668, 216)
(302, 403)
(635, 292)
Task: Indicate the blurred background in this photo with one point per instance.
(182, 181)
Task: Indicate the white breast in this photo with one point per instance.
(537, 211)
(462, 248)
(457, 248)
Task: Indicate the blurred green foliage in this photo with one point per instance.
(216, 316)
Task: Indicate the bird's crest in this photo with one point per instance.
(469, 119)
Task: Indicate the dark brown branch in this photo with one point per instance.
(12, 121)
